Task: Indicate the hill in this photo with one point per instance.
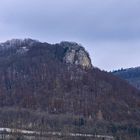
(132, 75)
(55, 87)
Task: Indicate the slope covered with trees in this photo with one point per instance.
(132, 75)
(42, 90)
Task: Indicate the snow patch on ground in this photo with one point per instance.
(27, 132)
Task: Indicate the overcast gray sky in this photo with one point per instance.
(108, 29)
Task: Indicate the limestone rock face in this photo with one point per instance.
(68, 52)
(76, 54)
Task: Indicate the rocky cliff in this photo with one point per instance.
(68, 52)
(76, 54)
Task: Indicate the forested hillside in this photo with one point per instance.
(55, 87)
(132, 75)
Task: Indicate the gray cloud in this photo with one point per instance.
(85, 21)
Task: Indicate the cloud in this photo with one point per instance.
(91, 19)
(76, 20)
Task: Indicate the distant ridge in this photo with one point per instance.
(132, 75)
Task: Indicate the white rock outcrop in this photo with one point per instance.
(76, 55)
